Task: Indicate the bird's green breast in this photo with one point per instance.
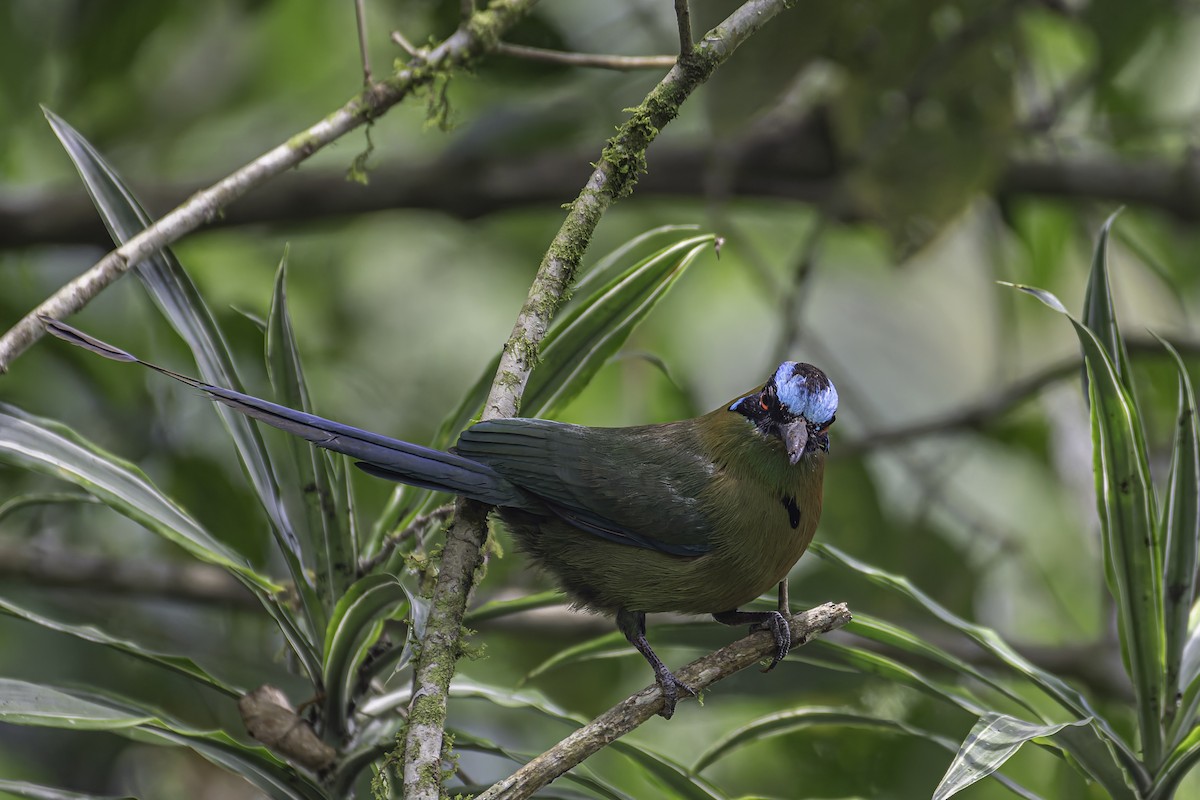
(758, 513)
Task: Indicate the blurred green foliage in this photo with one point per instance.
(924, 107)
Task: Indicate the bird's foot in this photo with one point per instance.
(772, 621)
(781, 629)
(672, 689)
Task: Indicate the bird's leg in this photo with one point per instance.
(771, 621)
(633, 625)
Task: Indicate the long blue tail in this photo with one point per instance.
(382, 456)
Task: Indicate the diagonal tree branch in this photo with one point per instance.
(476, 36)
(633, 711)
(614, 177)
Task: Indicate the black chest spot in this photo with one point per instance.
(793, 510)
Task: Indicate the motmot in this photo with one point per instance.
(699, 516)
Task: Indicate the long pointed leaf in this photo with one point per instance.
(353, 626)
(1180, 533)
(1128, 521)
(796, 719)
(1092, 753)
(994, 739)
(502, 608)
(588, 336)
(181, 664)
(680, 782)
(48, 447)
(572, 353)
(884, 632)
(37, 792)
(180, 302)
(24, 703)
(871, 663)
(1098, 312)
(328, 532)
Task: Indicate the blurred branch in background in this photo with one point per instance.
(62, 568)
(468, 188)
(472, 39)
(988, 410)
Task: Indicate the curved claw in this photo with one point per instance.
(781, 630)
(773, 621)
(670, 687)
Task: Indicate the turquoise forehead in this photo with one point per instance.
(806, 391)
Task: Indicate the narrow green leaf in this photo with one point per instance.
(470, 741)
(354, 625)
(610, 265)
(667, 772)
(179, 301)
(252, 762)
(38, 792)
(871, 663)
(670, 774)
(1114, 748)
(181, 664)
(42, 498)
(994, 739)
(1041, 294)
(608, 645)
(878, 630)
(495, 609)
(23, 703)
(1098, 312)
(792, 720)
(572, 353)
(1179, 763)
(1128, 521)
(1180, 534)
(592, 333)
(328, 532)
(53, 449)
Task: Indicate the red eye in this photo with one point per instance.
(762, 403)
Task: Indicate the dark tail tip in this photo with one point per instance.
(81, 339)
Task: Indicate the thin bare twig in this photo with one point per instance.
(360, 15)
(389, 544)
(598, 61)
(633, 711)
(413, 51)
(683, 18)
(472, 39)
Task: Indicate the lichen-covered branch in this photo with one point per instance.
(636, 709)
(614, 177)
(476, 36)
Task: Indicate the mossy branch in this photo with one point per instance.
(614, 177)
(476, 37)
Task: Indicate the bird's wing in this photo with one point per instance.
(638, 486)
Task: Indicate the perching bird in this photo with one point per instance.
(699, 516)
